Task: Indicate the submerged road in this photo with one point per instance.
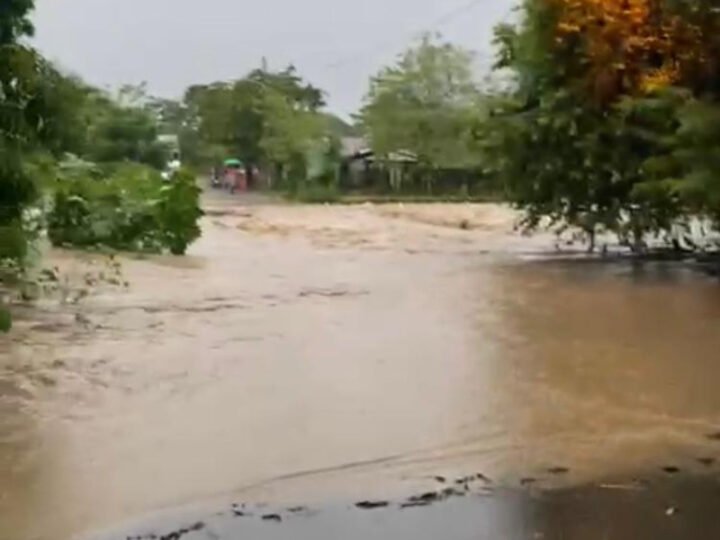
(322, 356)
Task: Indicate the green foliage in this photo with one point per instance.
(289, 133)
(5, 319)
(61, 103)
(21, 125)
(426, 104)
(94, 125)
(45, 116)
(130, 210)
(13, 241)
(15, 21)
(178, 212)
(287, 130)
(636, 165)
(119, 132)
(315, 193)
(235, 116)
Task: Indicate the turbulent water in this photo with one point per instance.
(313, 353)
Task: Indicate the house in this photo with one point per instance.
(362, 168)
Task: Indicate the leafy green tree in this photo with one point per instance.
(20, 127)
(62, 99)
(287, 135)
(21, 120)
(233, 115)
(570, 155)
(610, 120)
(427, 104)
(123, 128)
(15, 21)
(126, 134)
(133, 209)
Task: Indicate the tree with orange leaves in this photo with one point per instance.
(626, 47)
(597, 130)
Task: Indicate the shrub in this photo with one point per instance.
(178, 212)
(131, 210)
(316, 193)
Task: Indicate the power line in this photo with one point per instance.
(432, 25)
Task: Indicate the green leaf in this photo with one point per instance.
(5, 320)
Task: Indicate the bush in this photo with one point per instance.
(131, 210)
(316, 193)
(178, 212)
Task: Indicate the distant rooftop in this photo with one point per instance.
(352, 146)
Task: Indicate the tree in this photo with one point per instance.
(425, 104)
(21, 122)
(591, 133)
(20, 127)
(124, 134)
(15, 21)
(233, 116)
(288, 132)
(63, 99)
(95, 125)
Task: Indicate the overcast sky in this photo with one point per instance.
(336, 44)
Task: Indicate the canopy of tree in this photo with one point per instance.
(427, 104)
(613, 103)
(265, 117)
(22, 112)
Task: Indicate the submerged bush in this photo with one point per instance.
(178, 212)
(315, 194)
(130, 210)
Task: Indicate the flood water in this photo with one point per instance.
(322, 353)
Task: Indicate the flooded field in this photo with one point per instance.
(317, 354)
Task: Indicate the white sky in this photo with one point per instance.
(171, 44)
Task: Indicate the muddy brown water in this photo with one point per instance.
(315, 354)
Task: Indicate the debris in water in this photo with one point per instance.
(427, 498)
(671, 511)
(415, 504)
(558, 470)
(330, 293)
(707, 461)
(528, 481)
(238, 510)
(452, 492)
(272, 517)
(82, 319)
(440, 479)
(622, 487)
(370, 505)
(671, 470)
(175, 535)
(465, 480)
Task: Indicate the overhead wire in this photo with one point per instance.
(431, 26)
